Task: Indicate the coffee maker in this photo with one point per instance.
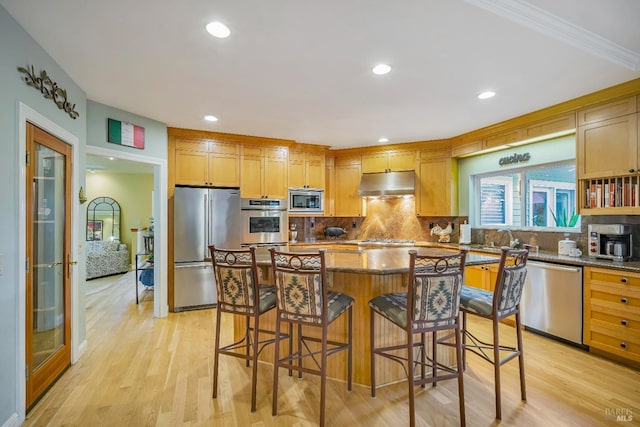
(610, 241)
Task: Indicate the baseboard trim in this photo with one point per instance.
(13, 421)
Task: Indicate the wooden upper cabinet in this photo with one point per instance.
(306, 169)
(207, 163)
(329, 188)
(502, 138)
(546, 127)
(436, 183)
(608, 148)
(466, 148)
(610, 110)
(388, 161)
(264, 172)
(348, 172)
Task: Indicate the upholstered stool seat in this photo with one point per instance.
(476, 300)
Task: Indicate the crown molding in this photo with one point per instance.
(551, 25)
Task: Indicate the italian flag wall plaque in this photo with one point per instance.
(124, 133)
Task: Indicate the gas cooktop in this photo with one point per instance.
(386, 242)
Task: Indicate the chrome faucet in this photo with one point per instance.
(513, 242)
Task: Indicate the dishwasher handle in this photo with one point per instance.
(555, 267)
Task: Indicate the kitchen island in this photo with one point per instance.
(363, 274)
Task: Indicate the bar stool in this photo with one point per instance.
(303, 299)
(431, 304)
(503, 302)
(239, 293)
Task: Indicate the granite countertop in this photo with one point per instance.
(383, 260)
(542, 256)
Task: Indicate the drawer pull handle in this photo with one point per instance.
(624, 280)
(624, 300)
(623, 344)
(624, 323)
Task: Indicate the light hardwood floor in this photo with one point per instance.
(141, 371)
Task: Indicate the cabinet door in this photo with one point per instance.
(434, 187)
(224, 170)
(474, 275)
(275, 177)
(297, 170)
(375, 162)
(251, 169)
(329, 189)
(402, 160)
(315, 170)
(191, 168)
(347, 201)
(608, 147)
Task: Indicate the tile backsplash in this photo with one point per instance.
(395, 219)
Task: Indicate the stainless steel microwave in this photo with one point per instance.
(306, 200)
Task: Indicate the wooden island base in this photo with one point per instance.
(362, 287)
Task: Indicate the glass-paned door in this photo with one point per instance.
(48, 347)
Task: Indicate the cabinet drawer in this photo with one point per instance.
(609, 297)
(619, 324)
(624, 281)
(619, 347)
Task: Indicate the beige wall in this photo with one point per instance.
(132, 192)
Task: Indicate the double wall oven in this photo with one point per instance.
(264, 222)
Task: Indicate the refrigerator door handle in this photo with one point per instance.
(206, 225)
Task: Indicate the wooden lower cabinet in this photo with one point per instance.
(612, 313)
(481, 276)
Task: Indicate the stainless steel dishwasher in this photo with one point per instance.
(552, 300)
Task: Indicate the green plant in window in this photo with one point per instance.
(564, 220)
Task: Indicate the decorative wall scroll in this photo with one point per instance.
(49, 89)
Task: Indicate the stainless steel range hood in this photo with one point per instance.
(387, 184)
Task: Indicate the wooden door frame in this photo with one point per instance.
(28, 114)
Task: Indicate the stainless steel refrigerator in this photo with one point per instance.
(201, 217)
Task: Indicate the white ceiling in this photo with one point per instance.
(301, 69)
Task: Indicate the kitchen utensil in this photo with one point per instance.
(619, 249)
(565, 246)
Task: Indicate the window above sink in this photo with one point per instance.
(541, 196)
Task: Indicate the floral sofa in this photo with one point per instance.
(105, 258)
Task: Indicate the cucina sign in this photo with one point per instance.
(514, 158)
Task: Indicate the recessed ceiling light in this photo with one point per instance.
(486, 95)
(211, 118)
(383, 139)
(381, 69)
(218, 29)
